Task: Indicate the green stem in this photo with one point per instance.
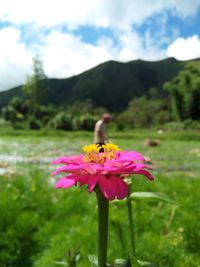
(103, 208)
(130, 218)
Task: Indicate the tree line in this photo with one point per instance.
(182, 104)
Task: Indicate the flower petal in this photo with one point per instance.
(145, 173)
(71, 168)
(113, 187)
(65, 182)
(107, 187)
(129, 156)
(90, 180)
(122, 187)
(69, 160)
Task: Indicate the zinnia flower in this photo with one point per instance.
(106, 171)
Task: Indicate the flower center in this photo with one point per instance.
(93, 154)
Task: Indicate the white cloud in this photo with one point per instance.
(50, 13)
(133, 46)
(15, 60)
(65, 54)
(184, 8)
(112, 13)
(184, 49)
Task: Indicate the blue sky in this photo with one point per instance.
(71, 36)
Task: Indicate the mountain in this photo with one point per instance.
(111, 84)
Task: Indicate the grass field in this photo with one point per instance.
(44, 227)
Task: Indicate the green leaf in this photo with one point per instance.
(134, 262)
(63, 263)
(146, 264)
(119, 261)
(126, 263)
(152, 196)
(93, 260)
(143, 263)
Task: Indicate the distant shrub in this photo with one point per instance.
(62, 121)
(162, 117)
(123, 121)
(43, 113)
(143, 113)
(67, 121)
(180, 126)
(3, 122)
(173, 126)
(87, 122)
(191, 124)
(34, 123)
(16, 111)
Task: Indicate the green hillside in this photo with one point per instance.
(111, 84)
(5, 96)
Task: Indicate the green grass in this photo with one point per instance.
(41, 225)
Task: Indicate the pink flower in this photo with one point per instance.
(106, 171)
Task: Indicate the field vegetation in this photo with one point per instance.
(45, 227)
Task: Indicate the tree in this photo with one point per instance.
(184, 92)
(143, 113)
(36, 87)
(16, 111)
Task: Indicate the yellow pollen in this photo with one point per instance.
(91, 148)
(94, 156)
